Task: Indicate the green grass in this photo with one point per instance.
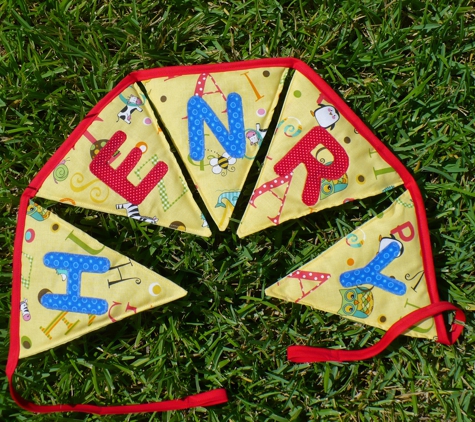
(406, 67)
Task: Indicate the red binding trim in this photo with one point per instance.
(332, 97)
(142, 75)
(219, 396)
(443, 336)
(209, 398)
(409, 183)
(14, 351)
(301, 354)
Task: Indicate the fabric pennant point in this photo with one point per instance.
(375, 281)
(315, 160)
(217, 118)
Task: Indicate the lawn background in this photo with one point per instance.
(407, 69)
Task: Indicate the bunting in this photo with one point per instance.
(71, 284)
(121, 160)
(374, 275)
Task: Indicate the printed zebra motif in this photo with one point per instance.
(25, 312)
(133, 212)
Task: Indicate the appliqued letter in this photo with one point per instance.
(116, 179)
(316, 171)
(371, 274)
(71, 267)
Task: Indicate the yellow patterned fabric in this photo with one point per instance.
(219, 176)
(52, 308)
(278, 197)
(126, 157)
(374, 294)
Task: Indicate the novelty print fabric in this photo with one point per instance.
(71, 284)
(374, 275)
(317, 159)
(217, 121)
(122, 164)
(119, 161)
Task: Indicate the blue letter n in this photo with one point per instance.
(71, 267)
(233, 141)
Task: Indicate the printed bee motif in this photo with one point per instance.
(357, 302)
(222, 164)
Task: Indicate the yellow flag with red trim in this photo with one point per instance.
(317, 159)
(71, 284)
(121, 163)
(217, 120)
(374, 275)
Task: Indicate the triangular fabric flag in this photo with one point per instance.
(71, 284)
(374, 275)
(217, 117)
(119, 162)
(317, 159)
(128, 170)
(65, 285)
(329, 179)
